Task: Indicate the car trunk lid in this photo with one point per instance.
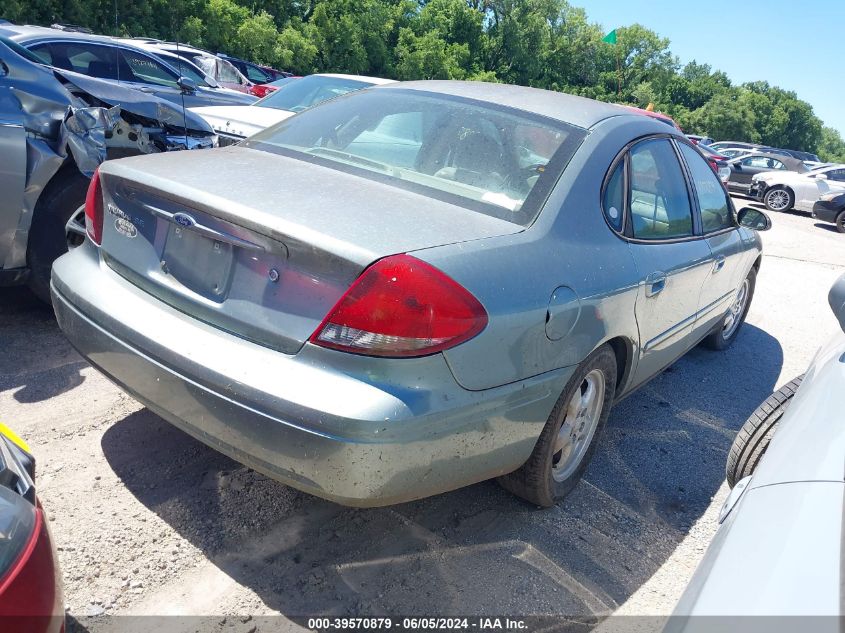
(263, 245)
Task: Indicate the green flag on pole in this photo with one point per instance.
(610, 38)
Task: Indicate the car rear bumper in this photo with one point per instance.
(354, 430)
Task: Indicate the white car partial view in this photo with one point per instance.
(783, 190)
(235, 123)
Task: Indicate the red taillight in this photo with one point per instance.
(714, 165)
(401, 306)
(94, 209)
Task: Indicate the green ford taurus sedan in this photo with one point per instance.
(410, 288)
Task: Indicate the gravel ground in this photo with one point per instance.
(148, 521)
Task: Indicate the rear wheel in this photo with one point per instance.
(840, 222)
(57, 224)
(570, 436)
(725, 333)
(778, 199)
(753, 438)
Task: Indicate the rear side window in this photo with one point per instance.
(660, 205)
(712, 200)
(613, 200)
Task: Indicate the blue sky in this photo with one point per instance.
(797, 45)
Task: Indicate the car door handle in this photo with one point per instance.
(718, 263)
(654, 284)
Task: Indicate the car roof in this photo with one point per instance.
(28, 33)
(578, 111)
(172, 46)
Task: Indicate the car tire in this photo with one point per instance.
(571, 433)
(840, 222)
(779, 199)
(725, 333)
(753, 438)
(48, 235)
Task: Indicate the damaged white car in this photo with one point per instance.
(56, 127)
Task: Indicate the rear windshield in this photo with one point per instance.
(495, 160)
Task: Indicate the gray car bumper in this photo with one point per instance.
(324, 422)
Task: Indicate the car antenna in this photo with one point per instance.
(182, 94)
(117, 52)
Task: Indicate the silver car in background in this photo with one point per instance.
(778, 550)
(412, 287)
(56, 127)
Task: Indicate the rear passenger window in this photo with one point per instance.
(660, 206)
(712, 200)
(613, 200)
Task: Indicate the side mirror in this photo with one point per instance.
(188, 86)
(754, 219)
(836, 298)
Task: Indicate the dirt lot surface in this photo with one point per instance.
(149, 521)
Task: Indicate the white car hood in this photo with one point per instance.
(241, 121)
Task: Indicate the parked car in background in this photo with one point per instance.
(720, 145)
(745, 167)
(831, 208)
(442, 257)
(805, 156)
(695, 138)
(30, 580)
(659, 116)
(189, 69)
(717, 161)
(221, 70)
(109, 59)
(52, 142)
(734, 145)
(233, 124)
(783, 190)
(733, 152)
(781, 527)
(275, 75)
(258, 75)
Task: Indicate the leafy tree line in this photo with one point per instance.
(542, 43)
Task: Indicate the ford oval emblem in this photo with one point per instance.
(183, 219)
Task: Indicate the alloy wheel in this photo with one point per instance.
(75, 229)
(582, 415)
(734, 316)
(777, 200)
